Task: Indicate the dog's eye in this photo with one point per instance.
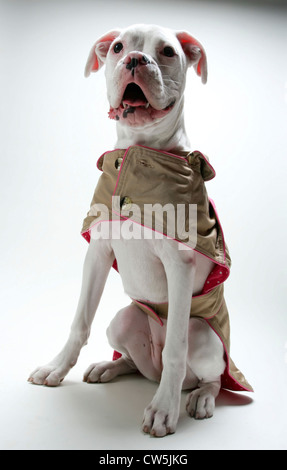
(118, 47)
(168, 51)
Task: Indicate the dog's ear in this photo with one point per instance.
(99, 52)
(195, 53)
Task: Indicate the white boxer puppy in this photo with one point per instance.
(146, 69)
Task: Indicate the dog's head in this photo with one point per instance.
(145, 70)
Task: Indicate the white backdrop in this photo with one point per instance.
(54, 126)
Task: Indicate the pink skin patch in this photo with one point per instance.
(135, 109)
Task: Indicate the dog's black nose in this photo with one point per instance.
(135, 59)
(133, 63)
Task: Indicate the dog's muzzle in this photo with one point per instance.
(135, 109)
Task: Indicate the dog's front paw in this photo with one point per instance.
(49, 375)
(160, 420)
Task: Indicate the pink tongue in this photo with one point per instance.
(135, 102)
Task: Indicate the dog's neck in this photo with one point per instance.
(167, 134)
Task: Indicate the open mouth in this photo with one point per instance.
(134, 96)
(136, 109)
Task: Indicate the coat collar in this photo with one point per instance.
(197, 160)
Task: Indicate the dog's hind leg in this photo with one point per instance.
(130, 334)
(102, 372)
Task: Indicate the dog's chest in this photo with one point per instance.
(141, 264)
(141, 270)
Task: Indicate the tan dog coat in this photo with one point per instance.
(135, 179)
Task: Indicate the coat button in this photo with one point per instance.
(118, 162)
(126, 203)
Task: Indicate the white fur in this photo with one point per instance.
(184, 352)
